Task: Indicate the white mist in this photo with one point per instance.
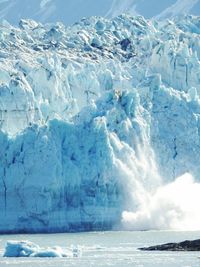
(173, 206)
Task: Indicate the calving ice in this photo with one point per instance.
(98, 121)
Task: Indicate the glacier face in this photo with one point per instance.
(94, 118)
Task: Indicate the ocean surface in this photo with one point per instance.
(117, 249)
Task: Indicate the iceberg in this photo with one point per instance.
(94, 119)
(29, 249)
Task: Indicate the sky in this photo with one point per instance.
(71, 11)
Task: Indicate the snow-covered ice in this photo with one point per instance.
(95, 118)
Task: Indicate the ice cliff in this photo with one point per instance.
(94, 118)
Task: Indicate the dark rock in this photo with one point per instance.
(187, 245)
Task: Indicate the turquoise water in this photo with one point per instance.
(117, 249)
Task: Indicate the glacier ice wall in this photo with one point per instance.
(94, 119)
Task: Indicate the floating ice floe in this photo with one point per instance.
(29, 249)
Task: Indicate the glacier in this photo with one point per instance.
(94, 119)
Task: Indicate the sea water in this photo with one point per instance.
(117, 248)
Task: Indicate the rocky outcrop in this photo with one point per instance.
(187, 245)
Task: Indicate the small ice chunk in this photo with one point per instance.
(20, 248)
(51, 253)
(76, 251)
